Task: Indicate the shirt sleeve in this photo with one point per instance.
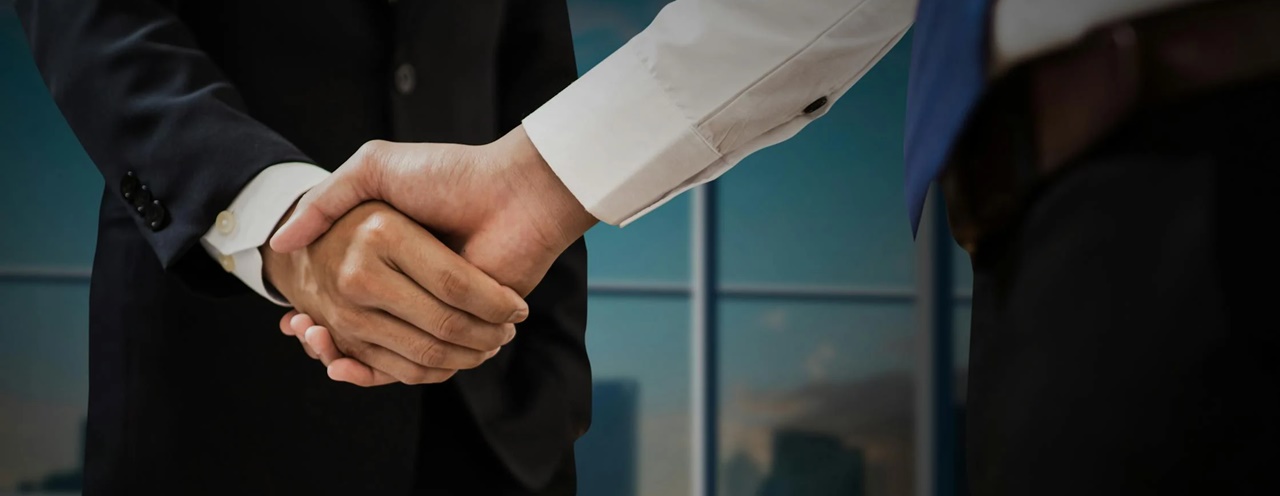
(248, 222)
(706, 84)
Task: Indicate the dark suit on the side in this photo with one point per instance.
(1109, 193)
(192, 388)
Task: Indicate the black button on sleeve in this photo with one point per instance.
(155, 216)
(817, 104)
(129, 186)
(141, 198)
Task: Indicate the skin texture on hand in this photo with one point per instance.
(500, 205)
(395, 297)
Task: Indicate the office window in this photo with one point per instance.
(825, 208)
(653, 251)
(816, 397)
(640, 419)
(811, 339)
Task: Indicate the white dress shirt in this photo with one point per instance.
(706, 84)
(248, 222)
(712, 81)
(1023, 29)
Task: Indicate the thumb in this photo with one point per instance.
(317, 210)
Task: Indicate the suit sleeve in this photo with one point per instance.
(151, 109)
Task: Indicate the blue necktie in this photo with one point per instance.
(948, 73)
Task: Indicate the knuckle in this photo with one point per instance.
(449, 327)
(351, 279)
(430, 354)
(375, 228)
(372, 148)
(453, 284)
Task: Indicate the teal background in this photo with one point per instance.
(798, 376)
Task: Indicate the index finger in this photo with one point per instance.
(456, 282)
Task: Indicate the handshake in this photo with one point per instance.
(411, 261)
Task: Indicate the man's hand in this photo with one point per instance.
(318, 343)
(394, 297)
(499, 204)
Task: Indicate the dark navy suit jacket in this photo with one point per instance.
(192, 388)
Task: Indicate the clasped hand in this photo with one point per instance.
(380, 299)
(396, 298)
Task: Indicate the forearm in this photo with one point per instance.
(708, 83)
(147, 103)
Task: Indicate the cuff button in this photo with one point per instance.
(226, 222)
(817, 104)
(228, 263)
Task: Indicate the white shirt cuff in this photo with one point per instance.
(248, 222)
(617, 141)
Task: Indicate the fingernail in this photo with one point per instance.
(519, 315)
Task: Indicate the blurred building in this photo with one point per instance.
(810, 464)
(742, 476)
(63, 481)
(606, 455)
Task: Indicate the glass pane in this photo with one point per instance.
(961, 320)
(816, 398)
(653, 249)
(962, 275)
(656, 247)
(639, 438)
(44, 382)
(826, 207)
(601, 26)
(960, 360)
(50, 207)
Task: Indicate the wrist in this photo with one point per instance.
(531, 175)
(277, 266)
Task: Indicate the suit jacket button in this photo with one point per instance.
(405, 79)
(155, 215)
(141, 197)
(129, 185)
